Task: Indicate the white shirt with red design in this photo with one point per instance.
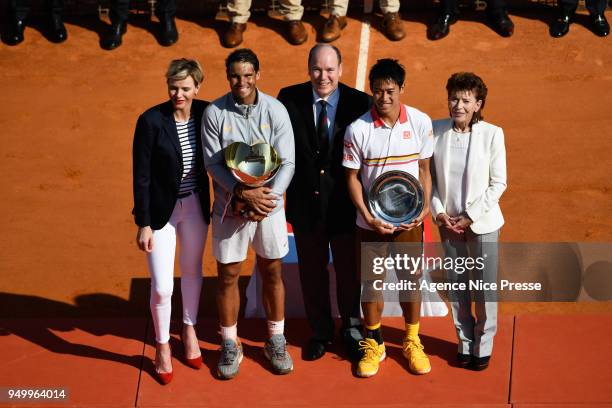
(374, 148)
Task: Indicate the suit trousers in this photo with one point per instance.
(21, 8)
(595, 7)
(289, 9)
(188, 225)
(475, 334)
(313, 257)
(120, 10)
(452, 7)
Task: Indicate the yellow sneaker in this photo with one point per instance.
(418, 362)
(373, 354)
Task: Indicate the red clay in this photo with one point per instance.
(69, 112)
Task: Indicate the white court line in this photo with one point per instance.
(364, 45)
(362, 62)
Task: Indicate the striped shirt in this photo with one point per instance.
(187, 139)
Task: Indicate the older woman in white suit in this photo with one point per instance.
(469, 177)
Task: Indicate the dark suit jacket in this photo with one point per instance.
(158, 165)
(318, 191)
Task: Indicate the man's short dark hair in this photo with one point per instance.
(318, 46)
(387, 69)
(244, 55)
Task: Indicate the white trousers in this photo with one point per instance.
(188, 224)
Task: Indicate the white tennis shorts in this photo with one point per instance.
(231, 238)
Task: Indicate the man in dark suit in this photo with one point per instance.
(318, 205)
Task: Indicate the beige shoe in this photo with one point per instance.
(333, 28)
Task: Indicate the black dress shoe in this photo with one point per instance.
(600, 25)
(169, 33)
(14, 32)
(560, 26)
(501, 23)
(479, 363)
(57, 30)
(464, 360)
(351, 338)
(314, 350)
(441, 27)
(113, 37)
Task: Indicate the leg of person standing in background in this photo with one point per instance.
(292, 11)
(567, 9)
(392, 20)
(165, 12)
(447, 15)
(18, 12)
(336, 21)
(57, 30)
(119, 13)
(239, 12)
(498, 19)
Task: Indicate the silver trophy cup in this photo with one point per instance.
(252, 165)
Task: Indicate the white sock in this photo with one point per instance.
(230, 333)
(276, 327)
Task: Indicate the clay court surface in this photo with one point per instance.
(67, 244)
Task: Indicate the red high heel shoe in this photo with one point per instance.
(195, 363)
(164, 378)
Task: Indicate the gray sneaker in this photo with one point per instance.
(230, 359)
(275, 350)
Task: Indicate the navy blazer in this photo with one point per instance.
(318, 191)
(158, 165)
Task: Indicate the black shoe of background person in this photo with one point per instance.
(501, 23)
(169, 34)
(112, 39)
(57, 30)
(479, 363)
(14, 31)
(351, 338)
(464, 360)
(600, 25)
(441, 27)
(560, 26)
(314, 349)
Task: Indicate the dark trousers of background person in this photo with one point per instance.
(452, 6)
(120, 9)
(595, 7)
(313, 258)
(21, 8)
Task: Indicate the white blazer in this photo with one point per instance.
(486, 174)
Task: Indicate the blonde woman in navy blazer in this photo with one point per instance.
(171, 201)
(469, 178)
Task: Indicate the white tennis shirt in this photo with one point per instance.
(374, 148)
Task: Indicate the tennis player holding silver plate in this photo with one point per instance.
(381, 149)
(396, 197)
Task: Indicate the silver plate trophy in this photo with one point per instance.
(396, 197)
(252, 165)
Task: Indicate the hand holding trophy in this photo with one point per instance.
(253, 166)
(396, 197)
